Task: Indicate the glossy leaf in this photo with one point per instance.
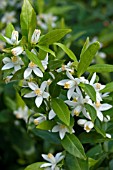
(46, 49)
(85, 46)
(53, 36)
(61, 110)
(90, 91)
(46, 125)
(72, 145)
(34, 59)
(27, 19)
(35, 166)
(91, 111)
(8, 30)
(99, 68)
(54, 64)
(87, 57)
(67, 51)
(108, 88)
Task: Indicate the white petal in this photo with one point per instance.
(38, 101)
(108, 135)
(62, 134)
(71, 103)
(100, 115)
(43, 86)
(27, 72)
(45, 165)
(105, 107)
(93, 79)
(62, 82)
(33, 86)
(69, 75)
(56, 128)
(8, 66)
(17, 67)
(8, 40)
(81, 122)
(70, 92)
(59, 157)
(45, 95)
(51, 114)
(38, 72)
(6, 60)
(29, 95)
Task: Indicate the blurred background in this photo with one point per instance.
(86, 18)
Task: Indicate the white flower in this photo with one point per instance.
(67, 67)
(35, 37)
(40, 119)
(97, 87)
(53, 161)
(22, 113)
(62, 129)
(101, 107)
(108, 135)
(107, 118)
(88, 125)
(37, 92)
(52, 114)
(32, 68)
(14, 38)
(70, 84)
(17, 51)
(9, 17)
(15, 62)
(78, 102)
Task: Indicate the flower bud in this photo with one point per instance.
(17, 50)
(35, 37)
(14, 37)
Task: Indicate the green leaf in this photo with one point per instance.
(46, 49)
(85, 46)
(27, 20)
(72, 145)
(54, 64)
(87, 57)
(61, 110)
(73, 163)
(91, 111)
(108, 88)
(67, 51)
(99, 68)
(46, 125)
(35, 166)
(53, 36)
(54, 89)
(2, 38)
(34, 59)
(90, 91)
(8, 31)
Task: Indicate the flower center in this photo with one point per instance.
(66, 85)
(36, 122)
(63, 67)
(87, 128)
(97, 104)
(98, 85)
(31, 64)
(75, 99)
(38, 92)
(50, 155)
(62, 126)
(76, 113)
(14, 59)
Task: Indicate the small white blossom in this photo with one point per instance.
(67, 67)
(108, 135)
(9, 17)
(17, 51)
(88, 125)
(22, 113)
(15, 62)
(32, 68)
(37, 92)
(35, 37)
(52, 114)
(53, 161)
(62, 129)
(40, 119)
(14, 38)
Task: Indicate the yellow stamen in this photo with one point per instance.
(66, 85)
(31, 64)
(36, 122)
(38, 92)
(63, 67)
(75, 99)
(50, 155)
(87, 128)
(76, 113)
(97, 104)
(98, 85)
(62, 126)
(14, 59)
